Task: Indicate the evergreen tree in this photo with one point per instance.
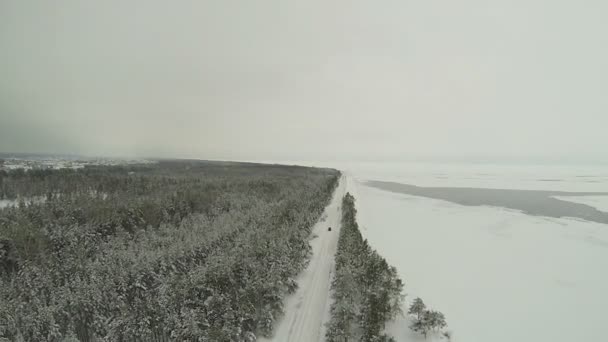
(366, 290)
(417, 308)
(436, 320)
(421, 324)
(426, 320)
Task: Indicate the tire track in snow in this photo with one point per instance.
(307, 310)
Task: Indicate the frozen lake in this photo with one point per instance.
(498, 275)
(531, 202)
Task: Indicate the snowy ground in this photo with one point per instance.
(7, 203)
(498, 275)
(307, 311)
(4, 203)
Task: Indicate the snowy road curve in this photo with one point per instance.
(307, 311)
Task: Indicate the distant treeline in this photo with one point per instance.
(187, 250)
(366, 290)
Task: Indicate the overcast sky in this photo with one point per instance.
(279, 79)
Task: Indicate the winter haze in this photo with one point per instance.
(367, 80)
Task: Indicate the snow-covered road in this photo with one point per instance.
(307, 311)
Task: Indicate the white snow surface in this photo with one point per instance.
(7, 203)
(307, 311)
(497, 275)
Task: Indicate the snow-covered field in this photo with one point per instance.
(498, 275)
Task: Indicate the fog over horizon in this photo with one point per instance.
(306, 80)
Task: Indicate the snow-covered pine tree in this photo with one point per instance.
(436, 320)
(417, 308)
